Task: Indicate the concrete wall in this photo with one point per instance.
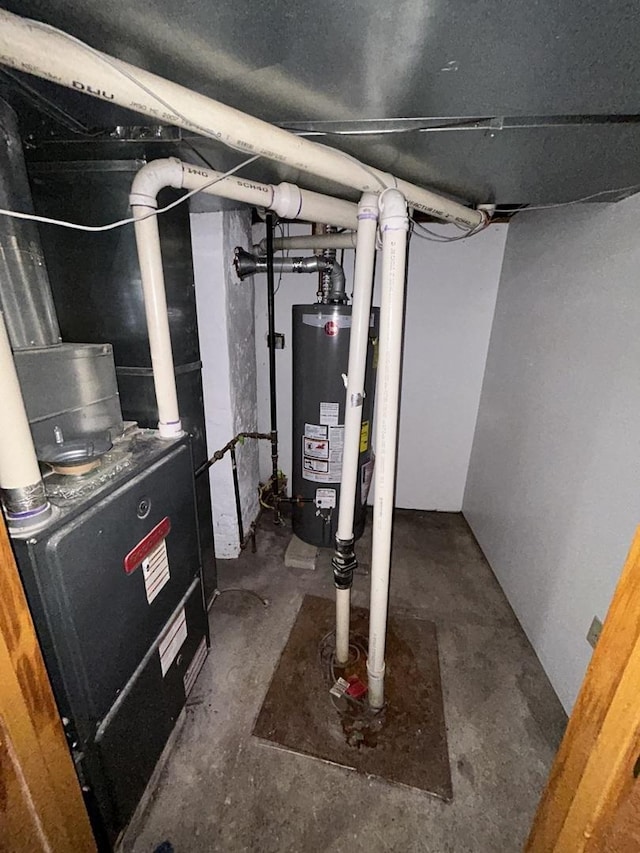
(450, 303)
(552, 493)
(227, 346)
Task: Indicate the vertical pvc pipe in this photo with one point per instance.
(23, 493)
(394, 225)
(344, 561)
(155, 306)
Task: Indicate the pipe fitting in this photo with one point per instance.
(393, 211)
(247, 264)
(25, 501)
(344, 563)
(153, 177)
(170, 429)
(287, 201)
(368, 206)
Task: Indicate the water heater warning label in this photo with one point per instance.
(316, 448)
(322, 447)
(329, 413)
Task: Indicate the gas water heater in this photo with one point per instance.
(320, 358)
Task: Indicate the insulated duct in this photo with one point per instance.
(25, 292)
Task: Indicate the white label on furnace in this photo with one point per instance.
(155, 570)
(171, 643)
(330, 413)
(315, 431)
(325, 498)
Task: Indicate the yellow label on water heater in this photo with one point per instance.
(364, 437)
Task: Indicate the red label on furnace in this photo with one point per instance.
(146, 545)
(331, 328)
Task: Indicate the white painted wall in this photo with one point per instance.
(227, 346)
(451, 295)
(553, 492)
(450, 303)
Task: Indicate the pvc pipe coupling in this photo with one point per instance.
(344, 563)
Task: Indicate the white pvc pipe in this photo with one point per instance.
(20, 478)
(44, 52)
(394, 225)
(343, 622)
(358, 340)
(286, 199)
(315, 242)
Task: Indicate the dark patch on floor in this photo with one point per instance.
(406, 743)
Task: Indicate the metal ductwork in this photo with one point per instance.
(25, 292)
(247, 264)
(69, 389)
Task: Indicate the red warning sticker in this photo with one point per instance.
(147, 545)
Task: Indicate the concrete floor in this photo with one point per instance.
(222, 790)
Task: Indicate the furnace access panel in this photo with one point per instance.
(114, 585)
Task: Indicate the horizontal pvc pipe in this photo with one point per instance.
(394, 225)
(287, 200)
(315, 242)
(44, 52)
(171, 172)
(20, 480)
(358, 340)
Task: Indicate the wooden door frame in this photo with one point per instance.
(41, 805)
(592, 799)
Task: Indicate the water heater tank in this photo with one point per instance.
(320, 360)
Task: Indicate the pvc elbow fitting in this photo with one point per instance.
(154, 177)
(393, 211)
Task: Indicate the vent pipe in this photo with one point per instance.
(247, 264)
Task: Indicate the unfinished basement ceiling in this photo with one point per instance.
(516, 102)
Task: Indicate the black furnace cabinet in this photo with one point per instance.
(114, 584)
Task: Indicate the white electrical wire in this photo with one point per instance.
(120, 222)
(442, 238)
(566, 203)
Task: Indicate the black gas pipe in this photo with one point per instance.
(271, 337)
